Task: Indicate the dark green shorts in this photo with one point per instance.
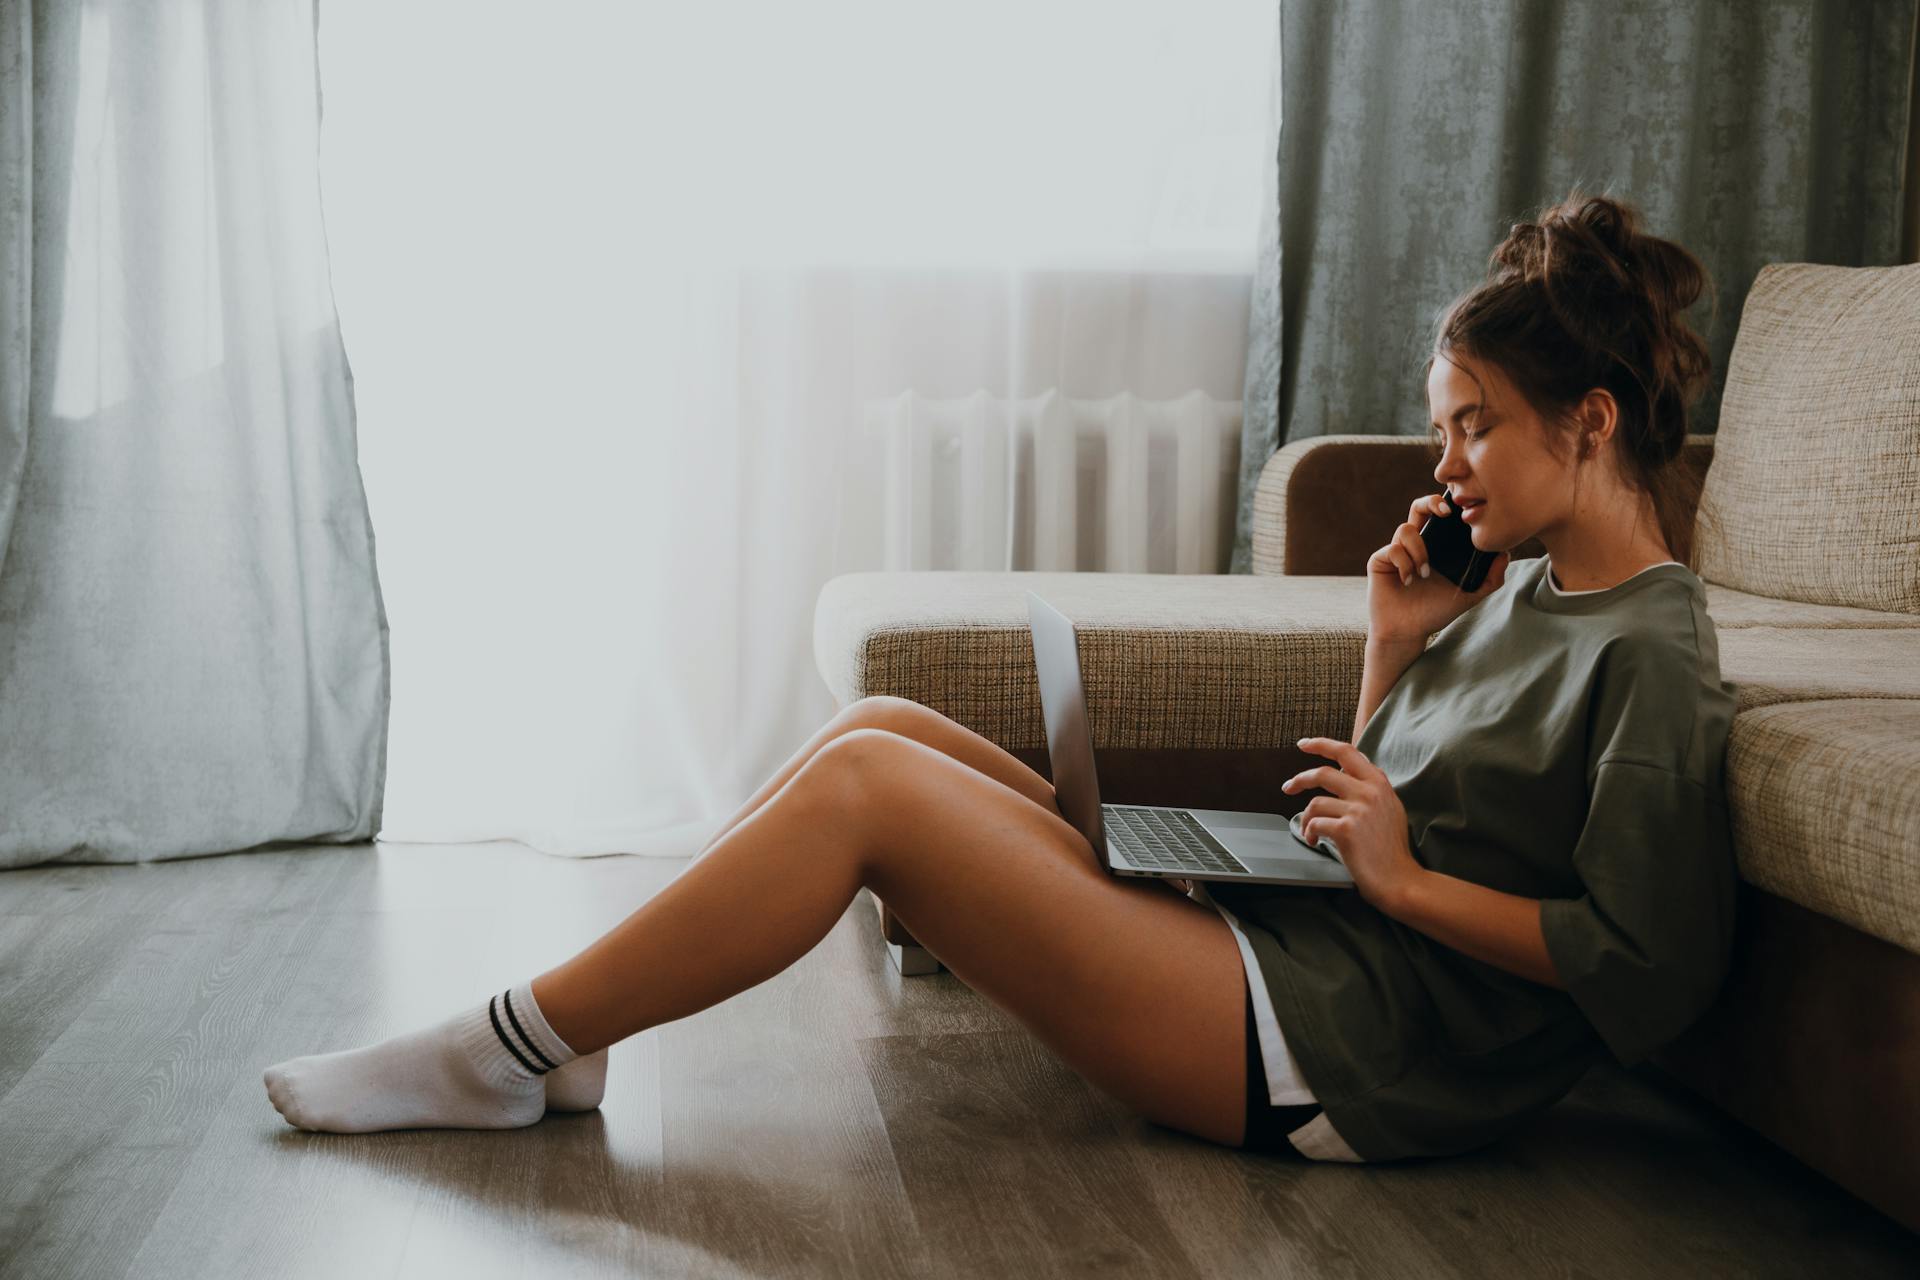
(1268, 1125)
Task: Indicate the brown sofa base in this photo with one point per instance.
(1812, 1042)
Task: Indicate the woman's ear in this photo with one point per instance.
(1599, 415)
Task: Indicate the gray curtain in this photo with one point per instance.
(193, 646)
(1414, 134)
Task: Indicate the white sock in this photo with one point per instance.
(480, 1069)
(579, 1085)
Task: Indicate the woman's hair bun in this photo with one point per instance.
(1619, 294)
(1587, 248)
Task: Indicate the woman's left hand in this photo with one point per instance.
(1362, 816)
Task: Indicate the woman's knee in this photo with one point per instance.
(857, 781)
(852, 765)
(920, 723)
(902, 716)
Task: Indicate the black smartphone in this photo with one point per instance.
(1451, 552)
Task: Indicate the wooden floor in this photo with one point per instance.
(838, 1120)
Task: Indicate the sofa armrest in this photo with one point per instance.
(1326, 503)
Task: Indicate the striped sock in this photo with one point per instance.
(481, 1069)
(523, 1029)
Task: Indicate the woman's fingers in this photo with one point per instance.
(1427, 504)
(1323, 807)
(1415, 546)
(1325, 777)
(1349, 757)
(1407, 551)
(1321, 811)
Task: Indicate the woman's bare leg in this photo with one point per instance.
(913, 720)
(581, 1084)
(1003, 891)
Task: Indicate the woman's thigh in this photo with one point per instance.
(1139, 990)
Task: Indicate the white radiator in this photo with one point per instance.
(1052, 483)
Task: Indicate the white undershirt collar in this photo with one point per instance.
(1589, 591)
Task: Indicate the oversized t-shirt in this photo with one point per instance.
(1563, 747)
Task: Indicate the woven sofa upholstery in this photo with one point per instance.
(1198, 685)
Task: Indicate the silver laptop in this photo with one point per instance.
(1140, 840)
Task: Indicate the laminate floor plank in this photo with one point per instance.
(978, 1123)
(50, 969)
(105, 1122)
(188, 993)
(254, 1201)
(1238, 1212)
(837, 1120)
(184, 889)
(771, 1089)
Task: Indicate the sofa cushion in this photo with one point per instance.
(1732, 608)
(1805, 664)
(1814, 489)
(1824, 799)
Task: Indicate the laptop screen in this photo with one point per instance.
(1056, 660)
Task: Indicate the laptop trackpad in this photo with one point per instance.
(1267, 835)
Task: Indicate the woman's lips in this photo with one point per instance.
(1471, 510)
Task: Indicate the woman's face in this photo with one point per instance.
(1494, 451)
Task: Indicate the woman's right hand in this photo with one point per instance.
(1402, 606)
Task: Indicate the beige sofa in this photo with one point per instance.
(1808, 537)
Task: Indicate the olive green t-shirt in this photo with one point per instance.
(1564, 747)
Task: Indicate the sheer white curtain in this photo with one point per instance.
(617, 282)
(192, 649)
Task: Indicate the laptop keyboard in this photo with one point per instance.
(1167, 840)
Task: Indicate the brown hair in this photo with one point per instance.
(1581, 298)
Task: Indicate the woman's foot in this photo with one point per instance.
(578, 1086)
(482, 1069)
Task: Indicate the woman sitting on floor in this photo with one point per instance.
(1533, 811)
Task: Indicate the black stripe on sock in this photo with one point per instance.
(551, 1065)
(495, 1019)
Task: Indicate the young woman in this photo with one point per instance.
(1532, 809)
